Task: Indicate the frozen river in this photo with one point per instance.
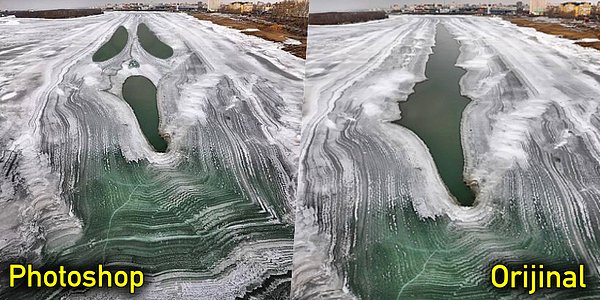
(375, 220)
(434, 112)
(81, 185)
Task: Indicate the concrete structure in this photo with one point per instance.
(214, 5)
(247, 7)
(240, 7)
(576, 9)
(537, 7)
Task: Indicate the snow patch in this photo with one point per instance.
(9, 21)
(7, 96)
(292, 42)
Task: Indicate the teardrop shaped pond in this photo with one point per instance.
(113, 47)
(152, 44)
(140, 94)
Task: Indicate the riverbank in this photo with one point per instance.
(56, 13)
(338, 18)
(294, 42)
(576, 31)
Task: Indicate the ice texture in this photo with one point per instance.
(211, 218)
(374, 219)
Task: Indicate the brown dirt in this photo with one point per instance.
(595, 45)
(572, 33)
(274, 32)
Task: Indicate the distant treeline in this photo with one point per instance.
(57, 13)
(334, 18)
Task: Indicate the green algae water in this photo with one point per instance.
(140, 93)
(434, 113)
(114, 46)
(152, 44)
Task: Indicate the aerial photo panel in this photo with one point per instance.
(296, 149)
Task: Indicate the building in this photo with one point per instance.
(263, 8)
(576, 9)
(247, 8)
(214, 5)
(234, 7)
(537, 7)
(502, 9)
(567, 8)
(519, 7)
(240, 7)
(186, 7)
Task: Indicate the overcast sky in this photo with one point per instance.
(51, 4)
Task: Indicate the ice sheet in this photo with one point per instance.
(374, 220)
(81, 181)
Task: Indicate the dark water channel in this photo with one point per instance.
(140, 93)
(114, 46)
(152, 44)
(434, 113)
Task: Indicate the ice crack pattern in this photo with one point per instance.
(82, 186)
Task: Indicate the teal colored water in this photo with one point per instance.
(140, 93)
(114, 46)
(152, 44)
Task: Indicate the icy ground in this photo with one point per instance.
(213, 216)
(374, 219)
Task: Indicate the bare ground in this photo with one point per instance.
(269, 32)
(571, 32)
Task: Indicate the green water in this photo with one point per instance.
(114, 46)
(397, 253)
(434, 113)
(158, 219)
(140, 93)
(152, 44)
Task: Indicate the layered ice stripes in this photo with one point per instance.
(374, 220)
